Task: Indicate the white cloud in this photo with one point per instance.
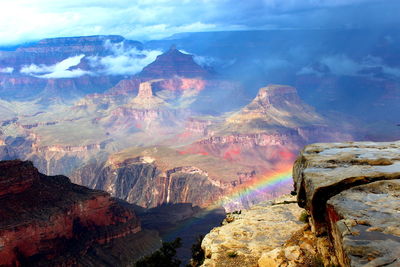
(207, 61)
(6, 70)
(123, 61)
(65, 74)
(392, 71)
(344, 65)
(58, 70)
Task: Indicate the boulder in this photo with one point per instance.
(351, 191)
(324, 170)
(365, 223)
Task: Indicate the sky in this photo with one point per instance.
(31, 20)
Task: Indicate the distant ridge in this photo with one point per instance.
(173, 63)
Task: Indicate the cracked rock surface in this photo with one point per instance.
(352, 191)
(260, 229)
(324, 170)
(365, 222)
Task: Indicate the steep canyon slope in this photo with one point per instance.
(47, 220)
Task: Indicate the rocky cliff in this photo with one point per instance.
(350, 196)
(351, 191)
(149, 182)
(173, 63)
(47, 220)
(275, 119)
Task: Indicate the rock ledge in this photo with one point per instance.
(350, 193)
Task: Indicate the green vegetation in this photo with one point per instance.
(232, 254)
(304, 217)
(165, 256)
(197, 253)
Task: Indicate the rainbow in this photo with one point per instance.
(266, 183)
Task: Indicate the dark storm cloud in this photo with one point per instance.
(24, 20)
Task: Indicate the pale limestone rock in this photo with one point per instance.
(270, 258)
(292, 253)
(263, 228)
(324, 170)
(145, 98)
(366, 224)
(352, 191)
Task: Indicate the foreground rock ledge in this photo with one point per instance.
(365, 224)
(351, 191)
(324, 170)
(245, 236)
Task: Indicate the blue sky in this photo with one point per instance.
(27, 20)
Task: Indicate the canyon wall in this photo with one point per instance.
(141, 181)
(47, 220)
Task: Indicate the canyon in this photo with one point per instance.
(59, 223)
(258, 138)
(178, 134)
(241, 143)
(147, 132)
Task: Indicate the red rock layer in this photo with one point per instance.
(43, 217)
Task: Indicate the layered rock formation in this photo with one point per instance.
(266, 135)
(276, 119)
(46, 49)
(50, 221)
(149, 180)
(156, 108)
(350, 190)
(173, 63)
